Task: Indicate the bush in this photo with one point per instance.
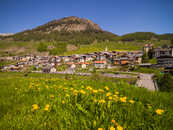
(165, 83)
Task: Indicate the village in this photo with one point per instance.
(99, 60)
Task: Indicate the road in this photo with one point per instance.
(146, 81)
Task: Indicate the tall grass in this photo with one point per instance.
(42, 101)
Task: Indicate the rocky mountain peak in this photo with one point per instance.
(69, 24)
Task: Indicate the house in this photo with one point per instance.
(167, 52)
(100, 57)
(53, 70)
(83, 66)
(164, 56)
(73, 66)
(147, 47)
(124, 61)
(46, 69)
(100, 64)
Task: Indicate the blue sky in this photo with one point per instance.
(117, 16)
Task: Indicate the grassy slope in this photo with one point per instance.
(30, 47)
(82, 111)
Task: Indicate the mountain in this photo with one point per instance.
(145, 36)
(71, 30)
(5, 34)
(69, 24)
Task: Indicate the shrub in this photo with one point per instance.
(165, 83)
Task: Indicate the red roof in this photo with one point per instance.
(69, 63)
(87, 63)
(99, 61)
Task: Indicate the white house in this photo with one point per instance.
(83, 66)
(73, 66)
(53, 70)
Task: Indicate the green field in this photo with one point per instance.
(60, 48)
(49, 101)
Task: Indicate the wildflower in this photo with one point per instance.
(47, 107)
(82, 86)
(131, 101)
(82, 91)
(159, 111)
(108, 94)
(34, 107)
(119, 127)
(102, 101)
(100, 90)
(67, 95)
(113, 121)
(106, 87)
(110, 97)
(75, 92)
(116, 93)
(100, 129)
(60, 86)
(95, 91)
(123, 99)
(47, 86)
(115, 96)
(112, 128)
(63, 102)
(89, 88)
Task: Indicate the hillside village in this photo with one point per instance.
(99, 60)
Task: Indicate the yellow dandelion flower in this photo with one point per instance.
(94, 91)
(82, 91)
(63, 102)
(119, 127)
(60, 86)
(112, 128)
(116, 93)
(102, 101)
(108, 94)
(100, 90)
(88, 88)
(106, 87)
(75, 91)
(67, 95)
(131, 101)
(123, 99)
(115, 96)
(100, 129)
(113, 121)
(35, 107)
(110, 97)
(47, 107)
(159, 111)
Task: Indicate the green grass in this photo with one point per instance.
(21, 48)
(83, 110)
(156, 71)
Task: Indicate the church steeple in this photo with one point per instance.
(106, 49)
